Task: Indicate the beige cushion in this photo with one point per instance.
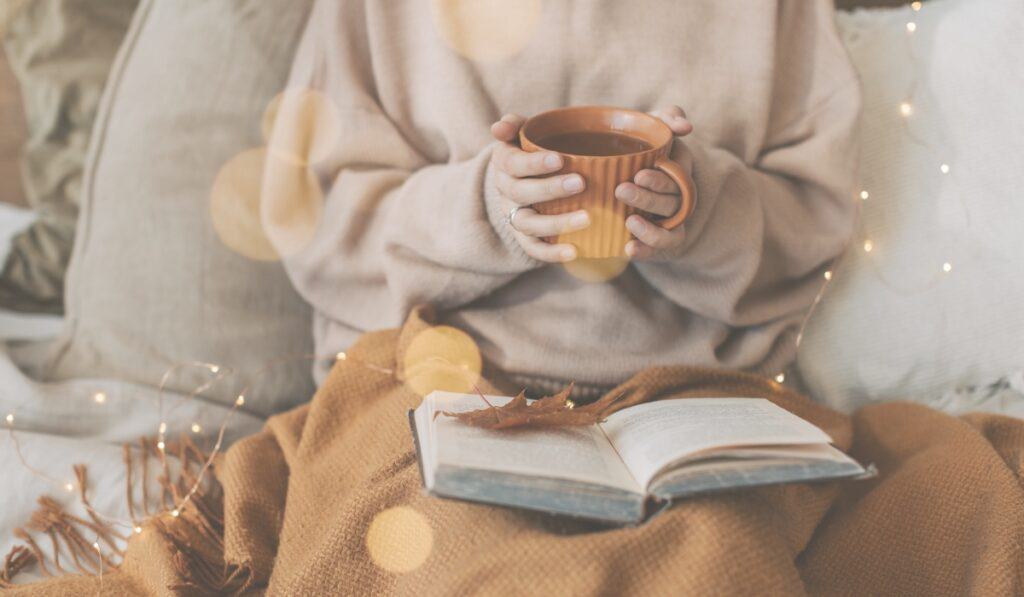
(61, 52)
(150, 284)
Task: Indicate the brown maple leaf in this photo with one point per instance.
(549, 411)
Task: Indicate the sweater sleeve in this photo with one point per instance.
(766, 227)
(397, 228)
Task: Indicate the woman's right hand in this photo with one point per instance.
(516, 175)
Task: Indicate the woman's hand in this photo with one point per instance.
(514, 171)
(654, 192)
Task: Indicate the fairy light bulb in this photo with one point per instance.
(175, 513)
(341, 356)
(915, 6)
(906, 109)
(911, 27)
(137, 530)
(214, 368)
(947, 267)
(944, 168)
(864, 195)
(160, 446)
(99, 398)
(828, 275)
(196, 428)
(240, 400)
(69, 487)
(868, 246)
(96, 545)
(163, 428)
(10, 419)
(781, 377)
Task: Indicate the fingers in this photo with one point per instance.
(638, 251)
(527, 191)
(542, 251)
(516, 162)
(657, 181)
(507, 128)
(653, 236)
(676, 119)
(645, 200)
(532, 223)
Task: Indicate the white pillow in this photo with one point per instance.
(895, 324)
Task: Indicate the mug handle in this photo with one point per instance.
(685, 184)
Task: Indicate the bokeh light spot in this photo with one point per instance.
(399, 539)
(301, 126)
(442, 358)
(291, 205)
(235, 206)
(262, 209)
(486, 30)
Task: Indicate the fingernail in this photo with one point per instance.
(627, 192)
(553, 160)
(568, 254)
(635, 225)
(573, 184)
(580, 220)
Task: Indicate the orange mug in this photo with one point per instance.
(607, 147)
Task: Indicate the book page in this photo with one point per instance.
(574, 453)
(653, 435)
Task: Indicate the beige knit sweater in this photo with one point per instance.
(409, 217)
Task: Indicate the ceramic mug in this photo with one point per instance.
(607, 147)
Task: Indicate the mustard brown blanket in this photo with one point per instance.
(326, 500)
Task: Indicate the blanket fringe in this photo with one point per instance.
(196, 535)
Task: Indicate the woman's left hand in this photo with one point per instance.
(652, 191)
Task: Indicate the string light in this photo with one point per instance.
(906, 109)
(828, 275)
(99, 397)
(240, 400)
(864, 195)
(9, 418)
(341, 356)
(160, 446)
(944, 168)
(175, 513)
(911, 27)
(868, 246)
(137, 530)
(163, 428)
(916, 6)
(69, 487)
(196, 428)
(947, 267)
(781, 377)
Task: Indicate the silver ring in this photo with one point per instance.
(511, 216)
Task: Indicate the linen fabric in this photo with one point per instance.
(152, 288)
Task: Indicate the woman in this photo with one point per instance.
(424, 174)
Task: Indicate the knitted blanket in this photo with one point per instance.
(327, 500)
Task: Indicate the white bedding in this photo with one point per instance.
(59, 425)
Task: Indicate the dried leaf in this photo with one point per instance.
(550, 411)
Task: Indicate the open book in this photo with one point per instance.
(637, 461)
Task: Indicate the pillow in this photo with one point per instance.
(944, 192)
(61, 52)
(151, 284)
